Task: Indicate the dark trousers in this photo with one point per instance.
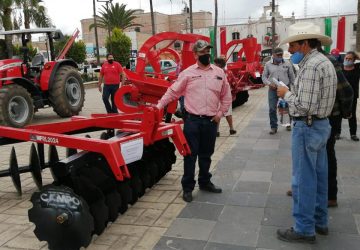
(335, 122)
(200, 134)
(110, 90)
(352, 120)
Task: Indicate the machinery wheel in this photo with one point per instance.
(16, 106)
(67, 93)
(61, 218)
(136, 186)
(153, 171)
(100, 213)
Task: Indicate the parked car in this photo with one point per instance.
(167, 66)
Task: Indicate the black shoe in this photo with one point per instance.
(322, 230)
(232, 132)
(354, 138)
(187, 196)
(211, 188)
(290, 235)
(273, 131)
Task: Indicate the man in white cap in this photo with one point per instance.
(310, 103)
(207, 98)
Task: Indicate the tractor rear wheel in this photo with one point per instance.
(67, 93)
(16, 106)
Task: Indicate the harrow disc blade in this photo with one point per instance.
(35, 166)
(61, 218)
(53, 158)
(14, 171)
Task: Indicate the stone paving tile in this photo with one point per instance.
(242, 215)
(195, 229)
(219, 246)
(171, 243)
(252, 187)
(259, 176)
(200, 210)
(235, 233)
(277, 217)
(247, 199)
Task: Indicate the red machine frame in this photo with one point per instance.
(146, 125)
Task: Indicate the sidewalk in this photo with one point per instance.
(255, 175)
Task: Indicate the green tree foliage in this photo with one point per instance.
(77, 52)
(115, 17)
(19, 52)
(6, 23)
(34, 13)
(121, 46)
(3, 53)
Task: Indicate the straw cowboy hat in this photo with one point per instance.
(303, 31)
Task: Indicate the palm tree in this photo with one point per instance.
(191, 17)
(152, 17)
(6, 23)
(215, 29)
(358, 28)
(34, 13)
(115, 17)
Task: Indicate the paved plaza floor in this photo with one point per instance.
(252, 167)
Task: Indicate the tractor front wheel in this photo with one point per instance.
(67, 93)
(16, 106)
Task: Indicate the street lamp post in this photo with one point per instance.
(107, 9)
(96, 35)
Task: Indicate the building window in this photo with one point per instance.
(235, 35)
(137, 29)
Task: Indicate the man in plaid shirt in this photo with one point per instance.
(310, 103)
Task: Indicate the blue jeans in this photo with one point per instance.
(310, 175)
(273, 100)
(110, 90)
(200, 133)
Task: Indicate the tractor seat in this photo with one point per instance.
(37, 62)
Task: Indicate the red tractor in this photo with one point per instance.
(26, 86)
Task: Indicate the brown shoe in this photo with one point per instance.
(289, 193)
(332, 203)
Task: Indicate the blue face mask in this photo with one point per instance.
(277, 60)
(297, 57)
(348, 63)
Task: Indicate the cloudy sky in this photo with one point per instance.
(66, 14)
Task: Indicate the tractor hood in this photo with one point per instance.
(9, 63)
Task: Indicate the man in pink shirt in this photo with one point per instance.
(207, 98)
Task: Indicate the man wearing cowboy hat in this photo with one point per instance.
(310, 103)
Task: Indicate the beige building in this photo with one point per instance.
(163, 22)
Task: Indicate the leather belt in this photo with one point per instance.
(200, 116)
(305, 118)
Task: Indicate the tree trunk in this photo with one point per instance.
(191, 17)
(152, 18)
(358, 28)
(215, 29)
(8, 26)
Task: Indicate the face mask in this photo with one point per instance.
(297, 57)
(204, 59)
(110, 61)
(348, 63)
(277, 60)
